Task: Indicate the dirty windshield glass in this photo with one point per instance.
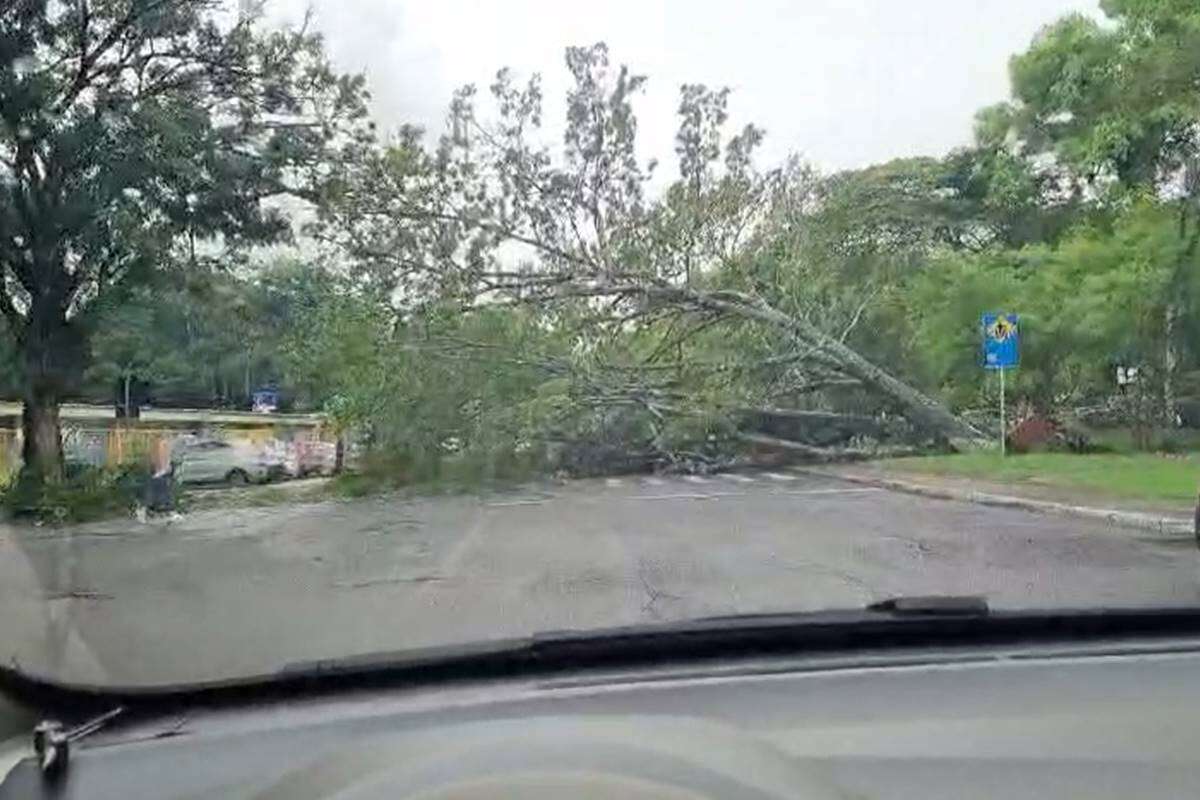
(345, 327)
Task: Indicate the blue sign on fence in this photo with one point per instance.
(1001, 341)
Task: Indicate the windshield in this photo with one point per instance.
(352, 327)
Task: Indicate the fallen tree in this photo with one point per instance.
(492, 219)
(817, 428)
(807, 452)
(928, 414)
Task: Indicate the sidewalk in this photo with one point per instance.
(1167, 519)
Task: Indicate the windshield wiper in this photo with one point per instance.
(932, 605)
(938, 623)
(52, 741)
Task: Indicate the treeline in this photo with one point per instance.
(206, 337)
(502, 301)
(656, 322)
(203, 337)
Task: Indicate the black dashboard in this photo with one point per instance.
(1114, 719)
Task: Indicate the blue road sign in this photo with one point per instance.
(1001, 341)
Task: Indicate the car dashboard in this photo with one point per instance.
(1115, 719)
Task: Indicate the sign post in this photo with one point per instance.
(1003, 422)
(1001, 350)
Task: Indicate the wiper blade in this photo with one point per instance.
(942, 623)
(934, 605)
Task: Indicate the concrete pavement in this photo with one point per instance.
(223, 593)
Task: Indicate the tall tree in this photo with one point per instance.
(130, 348)
(132, 131)
(1116, 106)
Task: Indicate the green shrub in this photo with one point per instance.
(389, 470)
(85, 493)
(1122, 440)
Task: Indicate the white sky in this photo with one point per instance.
(842, 82)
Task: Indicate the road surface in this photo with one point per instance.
(222, 593)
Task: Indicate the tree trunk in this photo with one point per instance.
(127, 414)
(923, 411)
(41, 449)
(52, 355)
(1170, 362)
(926, 413)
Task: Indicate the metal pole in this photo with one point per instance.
(1003, 427)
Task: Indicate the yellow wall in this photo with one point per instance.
(118, 443)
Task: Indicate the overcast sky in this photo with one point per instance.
(843, 82)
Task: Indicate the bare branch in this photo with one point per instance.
(858, 314)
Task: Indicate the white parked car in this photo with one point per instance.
(216, 461)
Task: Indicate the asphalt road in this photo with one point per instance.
(222, 593)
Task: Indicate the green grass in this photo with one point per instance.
(1134, 476)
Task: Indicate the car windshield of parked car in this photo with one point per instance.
(333, 328)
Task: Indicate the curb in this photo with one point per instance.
(1166, 526)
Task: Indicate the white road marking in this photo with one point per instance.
(779, 476)
(614, 482)
(511, 503)
(653, 481)
(695, 479)
(718, 495)
(733, 476)
(682, 496)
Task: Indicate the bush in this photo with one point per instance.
(85, 493)
(1173, 442)
(389, 470)
(1127, 441)
(1074, 439)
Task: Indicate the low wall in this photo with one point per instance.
(92, 435)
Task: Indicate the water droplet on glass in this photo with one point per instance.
(23, 65)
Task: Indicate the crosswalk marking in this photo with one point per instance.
(613, 482)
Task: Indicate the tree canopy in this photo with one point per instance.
(494, 295)
(135, 133)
